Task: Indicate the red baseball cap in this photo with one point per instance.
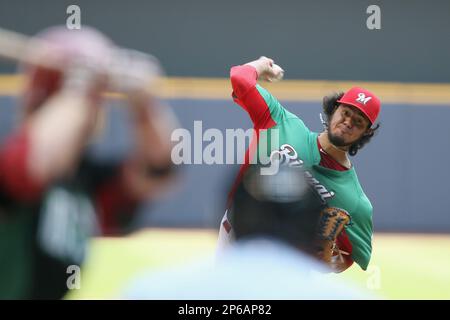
(364, 100)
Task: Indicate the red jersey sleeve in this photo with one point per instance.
(243, 81)
(15, 178)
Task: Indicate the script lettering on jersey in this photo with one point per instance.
(287, 155)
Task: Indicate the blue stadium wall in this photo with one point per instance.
(404, 170)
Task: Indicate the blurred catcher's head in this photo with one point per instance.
(64, 46)
(281, 206)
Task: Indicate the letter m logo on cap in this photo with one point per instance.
(362, 98)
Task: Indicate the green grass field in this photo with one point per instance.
(402, 267)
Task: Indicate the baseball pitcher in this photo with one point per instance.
(345, 231)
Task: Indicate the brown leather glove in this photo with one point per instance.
(331, 224)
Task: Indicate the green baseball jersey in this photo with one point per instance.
(284, 135)
(339, 188)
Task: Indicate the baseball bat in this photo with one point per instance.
(17, 47)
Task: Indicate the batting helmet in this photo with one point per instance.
(42, 82)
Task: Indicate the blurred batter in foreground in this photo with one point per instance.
(53, 196)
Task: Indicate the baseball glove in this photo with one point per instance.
(331, 223)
